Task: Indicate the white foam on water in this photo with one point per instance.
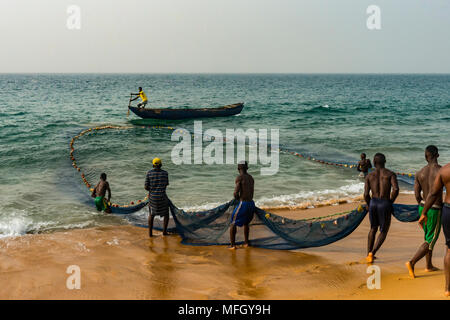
(296, 199)
(354, 188)
(15, 223)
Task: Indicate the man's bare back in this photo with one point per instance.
(424, 182)
(381, 182)
(101, 188)
(444, 176)
(244, 187)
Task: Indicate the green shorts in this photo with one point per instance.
(101, 204)
(433, 226)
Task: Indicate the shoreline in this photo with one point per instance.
(121, 262)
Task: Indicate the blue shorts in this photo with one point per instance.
(380, 211)
(243, 213)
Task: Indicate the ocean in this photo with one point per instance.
(328, 116)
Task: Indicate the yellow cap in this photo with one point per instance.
(156, 161)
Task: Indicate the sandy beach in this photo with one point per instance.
(121, 262)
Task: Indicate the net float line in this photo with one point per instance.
(80, 170)
(336, 164)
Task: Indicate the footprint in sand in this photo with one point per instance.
(352, 263)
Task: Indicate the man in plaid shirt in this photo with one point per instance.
(156, 183)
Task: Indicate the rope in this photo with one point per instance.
(360, 209)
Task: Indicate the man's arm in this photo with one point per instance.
(358, 167)
(370, 164)
(367, 190)
(436, 191)
(417, 189)
(237, 188)
(147, 183)
(395, 188)
(94, 192)
(109, 192)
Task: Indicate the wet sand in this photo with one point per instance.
(121, 262)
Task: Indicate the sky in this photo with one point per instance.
(224, 36)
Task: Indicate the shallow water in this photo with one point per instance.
(333, 116)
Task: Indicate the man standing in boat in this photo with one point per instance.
(384, 187)
(244, 211)
(143, 97)
(156, 183)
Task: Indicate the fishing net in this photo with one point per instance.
(268, 230)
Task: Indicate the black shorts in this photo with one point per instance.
(446, 223)
(380, 211)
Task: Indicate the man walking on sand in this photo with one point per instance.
(156, 183)
(244, 211)
(442, 180)
(381, 181)
(424, 182)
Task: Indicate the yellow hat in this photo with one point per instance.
(156, 162)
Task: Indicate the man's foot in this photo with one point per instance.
(410, 268)
(150, 235)
(165, 233)
(232, 247)
(369, 257)
(246, 245)
(432, 269)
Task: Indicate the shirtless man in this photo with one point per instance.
(424, 182)
(442, 180)
(364, 165)
(243, 213)
(99, 194)
(380, 182)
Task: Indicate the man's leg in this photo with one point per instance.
(447, 272)
(429, 261)
(371, 239)
(370, 242)
(374, 224)
(166, 223)
(422, 252)
(150, 224)
(246, 234)
(233, 236)
(383, 233)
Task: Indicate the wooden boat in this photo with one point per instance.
(177, 114)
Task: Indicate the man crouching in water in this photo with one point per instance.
(99, 193)
(380, 182)
(442, 180)
(244, 211)
(423, 183)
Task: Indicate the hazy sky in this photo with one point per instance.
(202, 36)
